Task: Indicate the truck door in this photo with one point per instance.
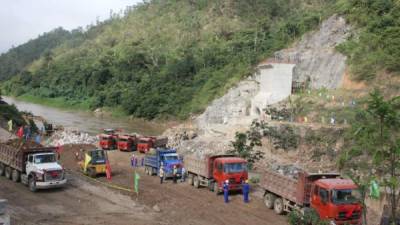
(29, 164)
(320, 201)
(218, 172)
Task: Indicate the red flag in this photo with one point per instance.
(59, 150)
(108, 170)
(20, 132)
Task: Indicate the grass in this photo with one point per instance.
(59, 102)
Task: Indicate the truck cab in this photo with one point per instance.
(43, 171)
(233, 169)
(107, 141)
(144, 144)
(126, 143)
(336, 200)
(168, 158)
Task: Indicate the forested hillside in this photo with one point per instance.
(167, 57)
(16, 59)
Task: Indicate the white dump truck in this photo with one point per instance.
(36, 166)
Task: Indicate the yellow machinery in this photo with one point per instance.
(94, 162)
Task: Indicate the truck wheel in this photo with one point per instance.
(2, 168)
(32, 184)
(190, 179)
(269, 200)
(278, 206)
(91, 172)
(8, 172)
(196, 182)
(15, 176)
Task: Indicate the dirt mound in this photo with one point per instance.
(69, 157)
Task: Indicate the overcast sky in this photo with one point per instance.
(21, 20)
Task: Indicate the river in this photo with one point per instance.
(87, 121)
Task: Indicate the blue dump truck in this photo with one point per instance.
(166, 157)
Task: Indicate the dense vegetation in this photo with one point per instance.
(166, 57)
(16, 59)
(376, 46)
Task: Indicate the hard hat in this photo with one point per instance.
(227, 181)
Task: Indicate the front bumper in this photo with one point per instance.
(50, 184)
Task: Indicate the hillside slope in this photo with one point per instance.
(168, 57)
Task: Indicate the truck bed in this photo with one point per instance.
(151, 160)
(281, 185)
(198, 166)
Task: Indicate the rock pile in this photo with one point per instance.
(70, 137)
(287, 170)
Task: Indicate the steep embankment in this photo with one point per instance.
(267, 88)
(167, 57)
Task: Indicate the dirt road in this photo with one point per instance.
(79, 203)
(84, 201)
(183, 204)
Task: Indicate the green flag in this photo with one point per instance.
(374, 190)
(137, 177)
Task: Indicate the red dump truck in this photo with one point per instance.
(212, 171)
(126, 142)
(144, 144)
(35, 166)
(328, 195)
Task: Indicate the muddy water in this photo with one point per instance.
(87, 121)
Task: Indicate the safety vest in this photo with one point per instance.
(161, 172)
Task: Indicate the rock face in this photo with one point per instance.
(315, 56)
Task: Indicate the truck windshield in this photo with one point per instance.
(48, 158)
(234, 167)
(170, 157)
(347, 196)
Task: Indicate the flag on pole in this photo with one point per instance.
(108, 170)
(137, 177)
(374, 190)
(59, 150)
(87, 161)
(10, 125)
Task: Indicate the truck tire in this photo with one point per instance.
(2, 168)
(32, 184)
(269, 200)
(278, 206)
(8, 172)
(196, 182)
(190, 179)
(91, 172)
(15, 176)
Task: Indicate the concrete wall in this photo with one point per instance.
(275, 85)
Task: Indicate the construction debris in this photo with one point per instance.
(71, 137)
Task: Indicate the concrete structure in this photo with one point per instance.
(4, 217)
(275, 85)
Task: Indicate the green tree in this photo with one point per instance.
(374, 146)
(244, 143)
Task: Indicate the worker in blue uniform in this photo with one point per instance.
(226, 191)
(246, 191)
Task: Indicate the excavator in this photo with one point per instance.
(48, 128)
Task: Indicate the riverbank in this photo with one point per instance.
(90, 122)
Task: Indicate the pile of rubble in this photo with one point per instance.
(70, 137)
(287, 170)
